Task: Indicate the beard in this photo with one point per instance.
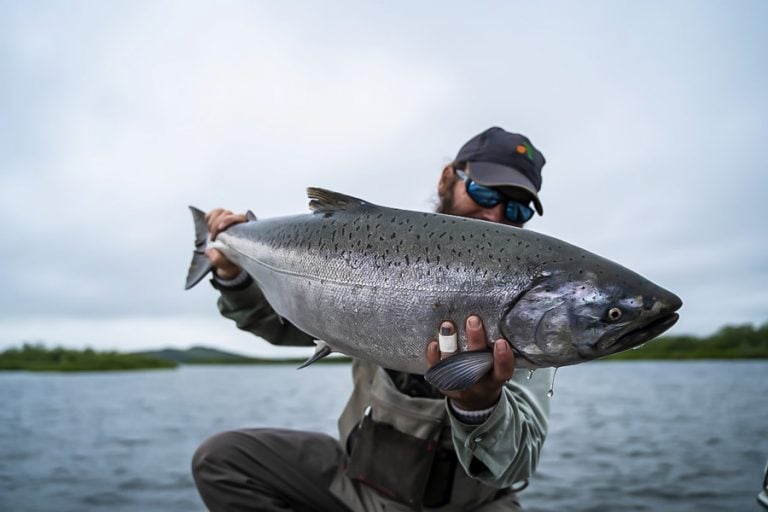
(445, 201)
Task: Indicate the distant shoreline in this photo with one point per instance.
(730, 343)
(37, 358)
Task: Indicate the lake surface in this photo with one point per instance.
(656, 436)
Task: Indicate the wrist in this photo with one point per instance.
(238, 282)
(470, 417)
(476, 402)
(227, 273)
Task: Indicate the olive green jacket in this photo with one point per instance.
(498, 453)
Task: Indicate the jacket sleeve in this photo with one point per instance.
(251, 312)
(505, 448)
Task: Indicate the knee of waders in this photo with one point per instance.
(213, 452)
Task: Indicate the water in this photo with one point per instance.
(624, 436)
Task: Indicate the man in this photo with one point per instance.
(403, 445)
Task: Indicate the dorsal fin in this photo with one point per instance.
(326, 201)
(250, 216)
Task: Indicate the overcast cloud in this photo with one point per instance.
(114, 116)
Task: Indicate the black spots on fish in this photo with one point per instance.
(393, 235)
(450, 238)
(438, 247)
(407, 260)
(426, 224)
(441, 235)
(380, 215)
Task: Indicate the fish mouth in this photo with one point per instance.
(644, 333)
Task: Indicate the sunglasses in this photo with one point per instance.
(486, 197)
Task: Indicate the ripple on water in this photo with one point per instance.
(109, 498)
(673, 437)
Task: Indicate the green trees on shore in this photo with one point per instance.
(730, 342)
(38, 358)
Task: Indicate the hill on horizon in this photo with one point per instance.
(207, 355)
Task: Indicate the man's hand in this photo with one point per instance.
(218, 220)
(485, 392)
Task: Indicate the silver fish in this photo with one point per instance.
(376, 283)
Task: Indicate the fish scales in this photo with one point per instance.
(390, 279)
(376, 282)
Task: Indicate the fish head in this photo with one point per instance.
(568, 317)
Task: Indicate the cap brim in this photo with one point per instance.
(496, 175)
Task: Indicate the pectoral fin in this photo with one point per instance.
(460, 371)
(321, 351)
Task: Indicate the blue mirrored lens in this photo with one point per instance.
(518, 212)
(484, 196)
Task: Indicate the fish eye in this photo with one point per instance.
(614, 314)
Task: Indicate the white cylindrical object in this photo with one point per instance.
(448, 343)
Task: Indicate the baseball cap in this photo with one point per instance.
(498, 158)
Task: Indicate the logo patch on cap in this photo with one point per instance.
(525, 149)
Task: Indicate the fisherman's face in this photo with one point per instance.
(454, 200)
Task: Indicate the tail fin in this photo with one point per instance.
(200, 265)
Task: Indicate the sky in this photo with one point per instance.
(114, 116)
